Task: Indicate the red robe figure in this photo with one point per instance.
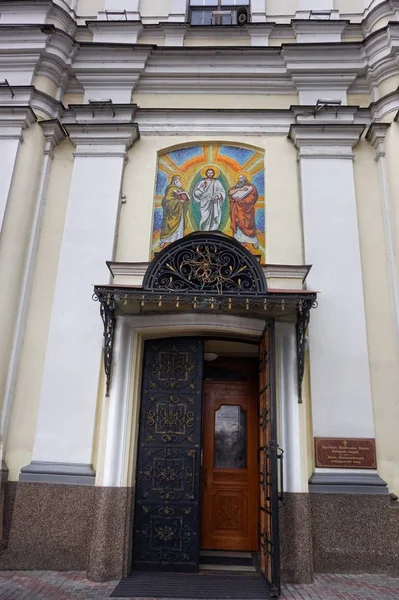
(243, 197)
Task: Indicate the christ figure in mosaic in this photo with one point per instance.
(243, 197)
(174, 205)
(210, 194)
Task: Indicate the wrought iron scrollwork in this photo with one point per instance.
(205, 262)
(303, 316)
(107, 311)
(167, 496)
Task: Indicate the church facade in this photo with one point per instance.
(199, 232)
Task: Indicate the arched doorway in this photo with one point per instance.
(201, 275)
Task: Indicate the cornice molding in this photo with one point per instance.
(375, 135)
(99, 113)
(14, 119)
(61, 14)
(54, 133)
(138, 269)
(105, 139)
(106, 71)
(120, 69)
(323, 141)
(126, 32)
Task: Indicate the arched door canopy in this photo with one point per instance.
(205, 262)
(204, 271)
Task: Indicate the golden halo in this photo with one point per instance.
(245, 173)
(177, 174)
(213, 167)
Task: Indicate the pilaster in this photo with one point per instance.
(71, 372)
(340, 377)
(258, 11)
(13, 120)
(376, 135)
(54, 134)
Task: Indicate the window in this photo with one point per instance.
(215, 12)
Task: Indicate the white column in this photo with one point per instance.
(65, 425)
(376, 136)
(340, 378)
(53, 133)
(295, 478)
(178, 12)
(258, 11)
(12, 122)
(119, 399)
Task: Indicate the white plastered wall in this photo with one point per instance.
(15, 236)
(27, 395)
(381, 336)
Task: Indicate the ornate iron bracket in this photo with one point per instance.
(107, 311)
(303, 316)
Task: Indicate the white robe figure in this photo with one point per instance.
(210, 195)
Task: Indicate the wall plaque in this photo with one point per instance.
(345, 453)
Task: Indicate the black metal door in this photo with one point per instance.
(268, 461)
(166, 536)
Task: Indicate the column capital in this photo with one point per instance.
(376, 137)
(260, 33)
(174, 33)
(105, 139)
(13, 119)
(110, 70)
(324, 141)
(54, 133)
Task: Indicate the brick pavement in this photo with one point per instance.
(52, 585)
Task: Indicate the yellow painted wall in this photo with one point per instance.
(237, 40)
(15, 237)
(87, 8)
(362, 100)
(26, 402)
(388, 85)
(349, 6)
(150, 8)
(46, 85)
(214, 101)
(283, 223)
(72, 99)
(384, 359)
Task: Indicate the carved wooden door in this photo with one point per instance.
(269, 453)
(166, 524)
(229, 484)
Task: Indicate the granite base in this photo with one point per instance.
(356, 533)
(296, 539)
(110, 555)
(46, 526)
(85, 528)
(67, 528)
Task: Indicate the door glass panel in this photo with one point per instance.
(230, 438)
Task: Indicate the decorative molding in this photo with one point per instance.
(376, 136)
(106, 139)
(53, 472)
(347, 483)
(110, 71)
(322, 141)
(54, 133)
(135, 269)
(120, 32)
(14, 119)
